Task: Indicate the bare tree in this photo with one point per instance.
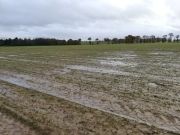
(152, 38)
(145, 37)
(89, 39)
(164, 38)
(107, 40)
(177, 37)
(97, 41)
(171, 35)
(137, 39)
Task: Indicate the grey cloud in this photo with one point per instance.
(76, 18)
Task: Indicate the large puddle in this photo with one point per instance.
(98, 70)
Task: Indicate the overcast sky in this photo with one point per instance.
(88, 18)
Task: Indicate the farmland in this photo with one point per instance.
(89, 89)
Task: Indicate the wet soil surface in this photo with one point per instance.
(138, 86)
(10, 126)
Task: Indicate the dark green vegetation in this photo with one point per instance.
(37, 42)
(130, 39)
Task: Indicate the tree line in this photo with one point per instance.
(51, 41)
(137, 39)
(37, 42)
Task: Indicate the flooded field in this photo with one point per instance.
(129, 86)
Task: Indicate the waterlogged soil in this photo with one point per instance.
(143, 87)
(45, 114)
(9, 126)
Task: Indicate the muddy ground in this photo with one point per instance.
(110, 92)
